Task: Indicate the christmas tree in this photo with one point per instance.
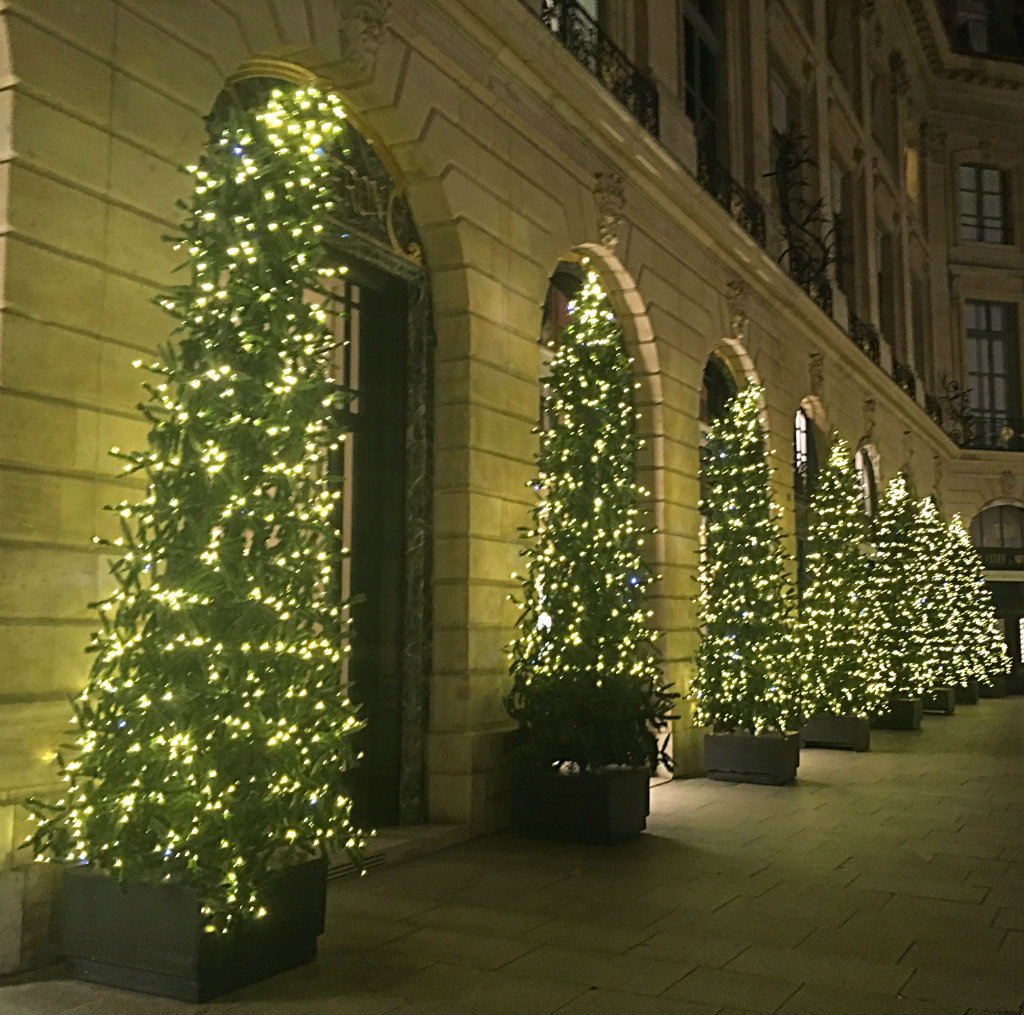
(212, 739)
(979, 632)
(843, 673)
(746, 675)
(901, 584)
(587, 690)
(939, 612)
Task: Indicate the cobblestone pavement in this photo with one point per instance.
(889, 882)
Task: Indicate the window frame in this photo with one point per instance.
(992, 230)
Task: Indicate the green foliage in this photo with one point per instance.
(901, 583)
(746, 678)
(587, 690)
(843, 672)
(939, 611)
(979, 633)
(212, 738)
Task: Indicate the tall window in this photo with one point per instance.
(704, 75)
(992, 365)
(805, 472)
(984, 204)
(868, 487)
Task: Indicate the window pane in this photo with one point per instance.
(995, 317)
(991, 180)
(966, 177)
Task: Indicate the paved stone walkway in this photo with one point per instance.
(887, 882)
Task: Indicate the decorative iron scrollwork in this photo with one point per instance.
(743, 206)
(810, 237)
(903, 375)
(865, 336)
(369, 201)
(960, 418)
(588, 43)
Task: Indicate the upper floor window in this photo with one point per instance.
(704, 75)
(992, 367)
(984, 204)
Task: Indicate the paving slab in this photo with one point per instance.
(886, 882)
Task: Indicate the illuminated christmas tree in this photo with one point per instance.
(587, 688)
(212, 739)
(939, 611)
(979, 631)
(901, 585)
(746, 676)
(843, 672)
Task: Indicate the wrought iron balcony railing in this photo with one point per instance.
(904, 377)
(865, 337)
(933, 407)
(993, 431)
(587, 41)
(743, 206)
(1002, 558)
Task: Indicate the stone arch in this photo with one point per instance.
(631, 313)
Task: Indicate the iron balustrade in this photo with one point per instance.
(933, 408)
(743, 206)
(992, 431)
(1002, 558)
(586, 40)
(865, 337)
(903, 375)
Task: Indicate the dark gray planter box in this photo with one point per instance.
(940, 699)
(847, 732)
(150, 938)
(902, 714)
(995, 687)
(767, 759)
(969, 693)
(602, 808)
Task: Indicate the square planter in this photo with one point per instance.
(847, 732)
(969, 693)
(150, 938)
(902, 714)
(768, 759)
(995, 687)
(602, 808)
(940, 699)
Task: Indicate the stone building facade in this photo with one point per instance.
(520, 135)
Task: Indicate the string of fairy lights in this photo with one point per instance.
(587, 687)
(913, 616)
(214, 734)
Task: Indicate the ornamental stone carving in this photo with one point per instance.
(1007, 483)
(737, 302)
(610, 199)
(361, 26)
(869, 418)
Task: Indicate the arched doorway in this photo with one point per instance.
(385, 358)
(997, 533)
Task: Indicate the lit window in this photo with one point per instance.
(984, 205)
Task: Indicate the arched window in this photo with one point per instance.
(805, 473)
(716, 390)
(998, 534)
(868, 487)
